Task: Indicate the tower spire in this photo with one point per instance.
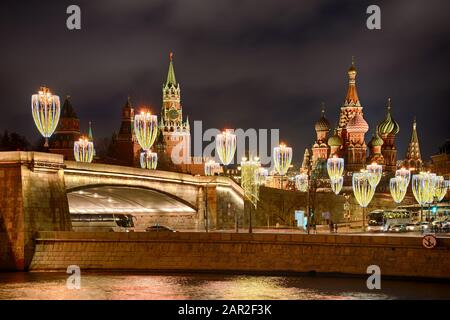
(352, 95)
(90, 135)
(171, 80)
(413, 157)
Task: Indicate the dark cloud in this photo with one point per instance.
(249, 64)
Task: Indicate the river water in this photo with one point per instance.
(210, 286)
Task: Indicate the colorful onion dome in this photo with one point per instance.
(388, 125)
(376, 141)
(322, 124)
(335, 140)
(357, 124)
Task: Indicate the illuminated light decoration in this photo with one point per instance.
(363, 189)
(263, 174)
(282, 157)
(46, 110)
(83, 150)
(422, 187)
(149, 160)
(398, 186)
(404, 173)
(335, 167)
(211, 168)
(432, 193)
(440, 189)
(146, 129)
(336, 184)
(377, 171)
(302, 182)
(250, 179)
(226, 146)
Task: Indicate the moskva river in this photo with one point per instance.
(209, 286)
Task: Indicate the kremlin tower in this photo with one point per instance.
(413, 159)
(176, 135)
(387, 130)
(67, 131)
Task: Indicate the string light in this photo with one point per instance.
(336, 184)
(250, 179)
(146, 129)
(335, 167)
(377, 171)
(440, 189)
(46, 109)
(422, 187)
(404, 173)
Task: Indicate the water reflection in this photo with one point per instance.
(116, 286)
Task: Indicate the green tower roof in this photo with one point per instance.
(171, 80)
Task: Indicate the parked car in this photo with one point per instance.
(158, 228)
(415, 227)
(397, 228)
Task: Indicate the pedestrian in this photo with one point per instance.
(331, 226)
(335, 227)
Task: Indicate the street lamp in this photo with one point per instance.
(363, 189)
(146, 131)
(282, 157)
(46, 109)
(250, 182)
(83, 150)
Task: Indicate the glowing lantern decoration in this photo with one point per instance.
(404, 173)
(226, 146)
(149, 160)
(363, 189)
(422, 187)
(377, 172)
(301, 182)
(282, 157)
(146, 129)
(250, 179)
(440, 188)
(398, 186)
(83, 150)
(336, 184)
(46, 110)
(211, 168)
(335, 167)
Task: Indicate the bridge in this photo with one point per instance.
(39, 191)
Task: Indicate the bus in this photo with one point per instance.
(381, 220)
(101, 222)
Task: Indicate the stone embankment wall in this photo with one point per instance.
(230, 252)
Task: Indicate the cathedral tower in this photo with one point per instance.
(352, 126)
(320, 148)
(388, 129)
(176, 133)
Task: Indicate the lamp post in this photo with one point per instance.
(250, 182)
(83, 150)
(146, 131)
(363, 189)
(46, 110)
(282, 157)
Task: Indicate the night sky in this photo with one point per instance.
(241, 64)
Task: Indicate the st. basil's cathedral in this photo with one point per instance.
(348, 140)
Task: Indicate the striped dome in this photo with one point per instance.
(376, 141)
(335, 140)
(322, 124)
(388, 125)
(357, 124)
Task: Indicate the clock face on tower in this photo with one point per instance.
(173, 114)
